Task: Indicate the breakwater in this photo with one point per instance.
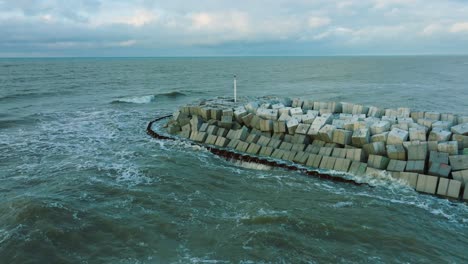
(425, 150)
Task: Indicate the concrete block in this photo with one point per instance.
(292, 125)
(403, 112)
(297, 102)
(211, 139)
(396, 152)
(462, 119)
(342, 164)
(454, 188)
(253, 138)
(242, 146)
(222, 132)
(286, 146)
(302, 129)
(284, 111)
(289, 155)
(397, 136)
(185, 134)
(331, 145)
(376, 148)
(277, 154)
(300, 139)
(380, 127)
(439, 169)
(196, 122)
(360, 137)
(266, 151)
(226, 122)
(461, 129)
(443, 125)
(409, 178)
(358, 168)
(301, 157)
(253, 148)
(427, 183)
(403, 126)
(284, 117)
(288, 138)
(325, 151)
(378, 162)
(416, 116)
(251, 107)
(326, 133)
(327, 163)
(459, 162)
(278, 136)
(255, 122)
(263, 141)
(461, 176)
(438, 157)
(360, 109)
(439, 135)
(222, 141)
(233, 143)
(318, 142)
(450, 118)
(396, 165)
(274, 143)
(266, 125)
(417, 166)
(269, 114)
(239, 113)
(417, 152)
(375, 112)
(342, 137)
(462, 140)
(247, 119)
(390, 119)
(432, 115)
(314, 160)
(382, 137)
(216, 113)
(339, 153)
(203, 127)
(318, 123)
(298, 147)
(312, 149)
(355, 154)
(417, 134)
(432, 145)
(205, 113)
(450, 147)
(426, 122)
(308, 105)
(241, 134)
(200, 136)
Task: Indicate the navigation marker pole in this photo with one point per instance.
(235, 89)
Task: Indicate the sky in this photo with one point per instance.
(62, 28)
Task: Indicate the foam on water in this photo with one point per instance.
(136, 99)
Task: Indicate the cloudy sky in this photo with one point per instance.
(226, 28)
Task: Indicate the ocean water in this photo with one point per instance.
(81, 182)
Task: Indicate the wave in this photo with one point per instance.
(146, 99)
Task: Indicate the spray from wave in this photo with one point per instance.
(146, 99)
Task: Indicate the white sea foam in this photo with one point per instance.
(145, 99)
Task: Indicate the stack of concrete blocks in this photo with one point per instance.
(395, 140)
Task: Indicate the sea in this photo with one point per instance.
(82, 182)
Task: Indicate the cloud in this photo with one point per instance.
(461, 27)
(316, 22)
(225, 27)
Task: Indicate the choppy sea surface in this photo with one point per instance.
(81, 182)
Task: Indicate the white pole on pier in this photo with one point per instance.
(235, 89)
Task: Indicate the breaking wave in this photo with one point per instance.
(146, 99)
